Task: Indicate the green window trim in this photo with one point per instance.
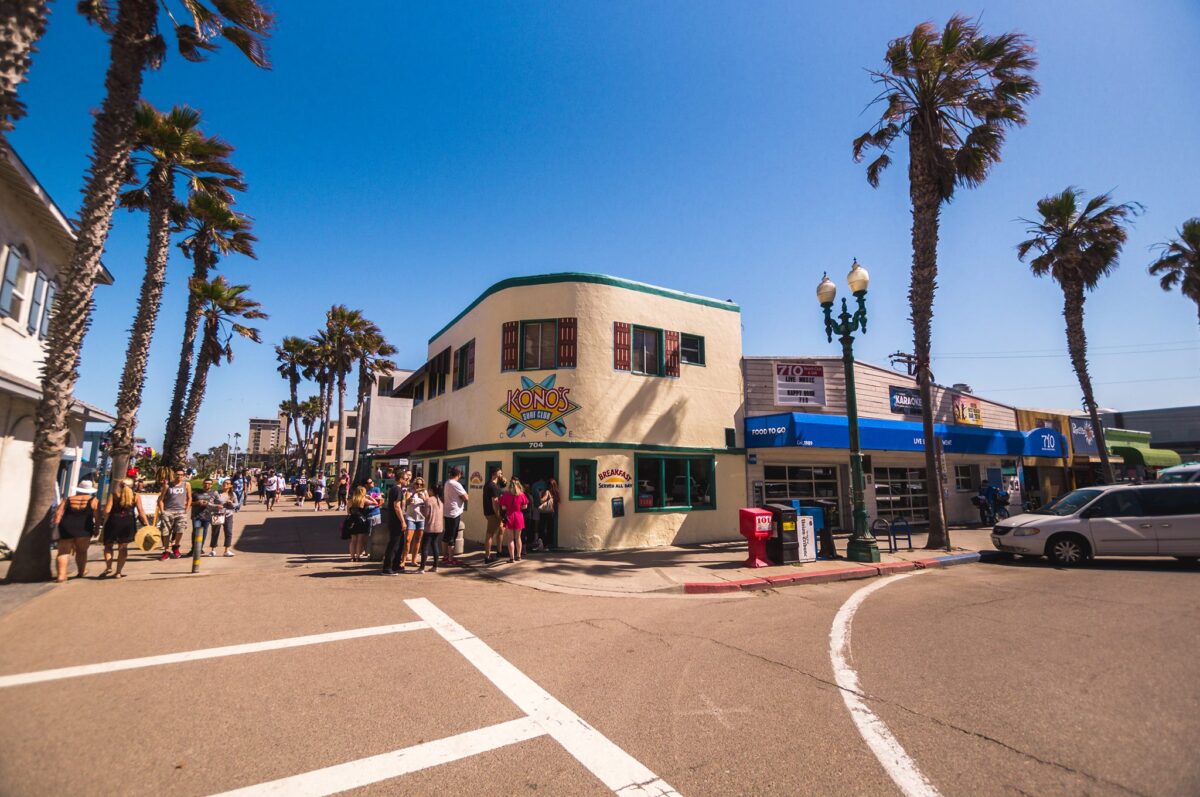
(590, 464)
(662, 475)
(521, 366)
(661, 354)
(699, 347)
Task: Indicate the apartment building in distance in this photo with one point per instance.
(266, 436)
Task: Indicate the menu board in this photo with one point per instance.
(799, 385)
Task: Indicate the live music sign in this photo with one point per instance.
(799, 385)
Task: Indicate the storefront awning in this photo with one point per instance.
(1144, 455)
(428, 438)
(810, 430)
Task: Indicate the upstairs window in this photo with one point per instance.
(464, 366)
(385, 385)
(12, 299)
(647, 351)
(37, 304)
(691, 349)
(539, 345)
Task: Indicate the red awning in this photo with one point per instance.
(429, 438)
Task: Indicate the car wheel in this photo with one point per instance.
(1068, 550)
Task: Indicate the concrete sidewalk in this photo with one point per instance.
(709, 568)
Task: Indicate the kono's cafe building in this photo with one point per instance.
(628, 395)
(797, 438)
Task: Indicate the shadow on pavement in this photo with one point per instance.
(1146, 565)
(283, 532)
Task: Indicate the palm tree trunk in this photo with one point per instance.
(174, 454)
(112, 141)
(926, 204)
(187, 426)
(133, 378)
(22, 23)
(339, 442)
(1077, 347)
(294, 385)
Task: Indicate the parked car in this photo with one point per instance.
(1109, 520)
(1187, 472)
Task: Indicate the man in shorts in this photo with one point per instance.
(491, 511)
(454, 503)
(273, 489)
(173, 513)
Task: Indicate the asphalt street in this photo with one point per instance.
(1005, 679)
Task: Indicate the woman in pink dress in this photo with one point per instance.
(512, 517)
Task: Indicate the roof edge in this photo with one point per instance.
(592, 279)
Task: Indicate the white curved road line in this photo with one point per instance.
(897, 763)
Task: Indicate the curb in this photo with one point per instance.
(828, 576)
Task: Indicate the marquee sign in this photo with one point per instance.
(799, 385)
(538, 406)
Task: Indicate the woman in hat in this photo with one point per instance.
(76, 521)
(122, 513)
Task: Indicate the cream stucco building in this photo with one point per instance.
(626, 394)
(36, 241)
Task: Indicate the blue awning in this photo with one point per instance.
(811, 430)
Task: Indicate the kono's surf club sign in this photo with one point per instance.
(537, 407)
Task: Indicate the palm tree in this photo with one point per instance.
(953, 95)
(373, 355)
(168, 145)
(135, 44)
(1179, 263)
(310, 411)
(344, 331)
(215, 229)
(22, 23)
(292, 354)
(317, 368)
(1076, 248)
(221, 305)
(289, 410)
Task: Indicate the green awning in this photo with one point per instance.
(1145, 455)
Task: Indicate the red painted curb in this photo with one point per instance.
(706, 588)
(887, 568)
(932, 562)
(846, 574)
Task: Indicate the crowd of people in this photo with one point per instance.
(423, 521)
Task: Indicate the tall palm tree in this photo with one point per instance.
(310, 411)
(169, 145)
(214, 229)
(1076, 247)
(22, 23)
(135, 44)
(222, 308)
(292, 354)
(318, 368)
(288, 409)
(373, 355)
(344, 331)
(1179, 263)
(953, 94)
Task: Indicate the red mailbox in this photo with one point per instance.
(755, 525)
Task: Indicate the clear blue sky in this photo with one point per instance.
(404, 157)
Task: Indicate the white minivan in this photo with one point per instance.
(1187, 472)
(1109, 520)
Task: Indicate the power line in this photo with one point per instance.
(1076, 385)
(1090, 353)
(1114, 346)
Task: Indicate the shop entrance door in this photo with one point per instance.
(535, 471)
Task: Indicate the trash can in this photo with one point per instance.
(782, 546)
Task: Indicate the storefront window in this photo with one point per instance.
(813, 485)
(646, 349)
(675, 483)
(539, 345)
(964, 478)
(900, 493)
(583, 480)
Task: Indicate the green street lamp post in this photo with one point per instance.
(862, 546)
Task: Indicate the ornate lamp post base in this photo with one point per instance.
(860, 550)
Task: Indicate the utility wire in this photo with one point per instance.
(1090, 354)
(1076, 385)
(1092, 348)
